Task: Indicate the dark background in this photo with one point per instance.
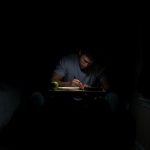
(31, 56)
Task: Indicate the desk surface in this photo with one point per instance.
(76, 91)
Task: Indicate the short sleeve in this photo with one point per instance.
(61, 67)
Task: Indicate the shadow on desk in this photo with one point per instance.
(77, 102)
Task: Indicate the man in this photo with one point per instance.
(81, 70)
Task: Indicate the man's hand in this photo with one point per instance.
(76, 82)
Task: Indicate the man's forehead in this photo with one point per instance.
(88, 59)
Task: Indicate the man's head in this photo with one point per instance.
(87, 58)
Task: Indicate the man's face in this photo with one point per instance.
(85, 62)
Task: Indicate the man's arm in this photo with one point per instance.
(58, 78)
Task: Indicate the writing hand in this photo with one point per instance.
(76, 82)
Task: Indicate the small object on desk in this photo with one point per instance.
(53, 85)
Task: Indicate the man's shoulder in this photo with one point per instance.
(69, 58)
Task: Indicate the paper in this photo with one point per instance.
(68, 88)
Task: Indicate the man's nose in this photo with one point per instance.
(85, 64)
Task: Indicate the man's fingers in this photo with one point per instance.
(85, 85)
(76, 82)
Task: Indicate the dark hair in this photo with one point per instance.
(89, 52)
(98, 55)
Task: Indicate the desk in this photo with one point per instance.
(71, 98)
(76, 102)
(77, 93)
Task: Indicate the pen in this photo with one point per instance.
(78, 80)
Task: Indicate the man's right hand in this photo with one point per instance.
(76, 83)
